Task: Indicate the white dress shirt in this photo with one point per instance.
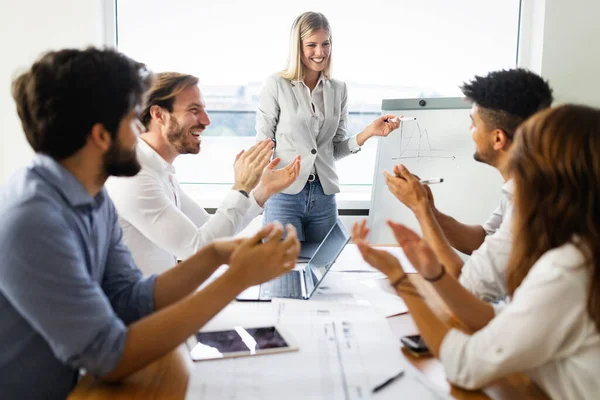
(484, 273)
(495, 220)
(317, 106)
(161, 223)
(545, 331)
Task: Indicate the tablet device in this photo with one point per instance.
(240, 342)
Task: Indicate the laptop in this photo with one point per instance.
(302, 283)
(307, 251)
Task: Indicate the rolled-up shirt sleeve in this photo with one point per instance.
(131, 295)
(44, 276)
(528, 333)
(494, 221)
(484, 273)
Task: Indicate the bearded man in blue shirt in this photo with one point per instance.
(71, 297)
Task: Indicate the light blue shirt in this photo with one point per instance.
(68, 284)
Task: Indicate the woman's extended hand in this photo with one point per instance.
(380, 259)
(417, 251)
(274, 180)
(383, 125)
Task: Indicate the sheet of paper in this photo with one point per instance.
(345, 351)
(379, 283)
(349, 289)
(350, 260)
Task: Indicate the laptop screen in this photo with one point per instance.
(325, 256)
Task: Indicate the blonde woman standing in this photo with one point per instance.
(305, 112)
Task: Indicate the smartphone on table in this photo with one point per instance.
(415, 345)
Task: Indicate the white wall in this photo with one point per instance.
(531, 35)
(28, 28)
(571, 55)
(559, 39)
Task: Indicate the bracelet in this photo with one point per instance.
(437, 278)
(399, 280)
(244, 193)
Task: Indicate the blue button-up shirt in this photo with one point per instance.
(68, 284)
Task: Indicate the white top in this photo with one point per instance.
(161, 223)
(316, 101)
(495, 220)
(545, 331)
(484, 273)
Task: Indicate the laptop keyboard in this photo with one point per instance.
(287, 285)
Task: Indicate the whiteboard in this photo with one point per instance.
(437, 144)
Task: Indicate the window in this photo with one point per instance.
(381, 49)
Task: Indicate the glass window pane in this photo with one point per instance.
(382, 49)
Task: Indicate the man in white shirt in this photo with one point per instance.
(550, 329)
(501, 101)
(160, 222)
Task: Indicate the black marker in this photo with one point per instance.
(387, 382)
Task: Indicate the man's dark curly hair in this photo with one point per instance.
(508, 97)
(65, 93)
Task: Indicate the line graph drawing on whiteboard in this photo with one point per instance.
(415, 143)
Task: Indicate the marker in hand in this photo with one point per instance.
(401, 119)
(431, 181)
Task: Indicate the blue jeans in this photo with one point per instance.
(311, 211)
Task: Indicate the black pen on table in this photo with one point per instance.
(388, 381)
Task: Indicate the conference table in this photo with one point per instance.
(167, 378)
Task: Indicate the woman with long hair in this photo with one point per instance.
(550, 328)
(305, 112)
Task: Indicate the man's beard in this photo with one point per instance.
(120, 162)
(177, 137)
(484, 157)
(477, 157)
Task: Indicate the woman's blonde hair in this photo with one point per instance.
(305, 25)
(555, 165)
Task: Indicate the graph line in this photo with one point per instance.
(423, 150)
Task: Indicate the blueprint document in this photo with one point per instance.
(345, 351)
(356, 289)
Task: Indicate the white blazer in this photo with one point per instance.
(285, 116)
